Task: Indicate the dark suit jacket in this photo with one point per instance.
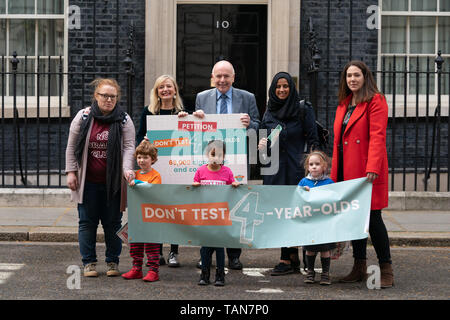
(242, 102)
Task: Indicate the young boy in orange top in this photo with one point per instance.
(146, 155)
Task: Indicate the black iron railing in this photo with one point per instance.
(418, 149)
(35, 120)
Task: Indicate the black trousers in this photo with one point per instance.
(206, 256)
(286, 253)
(378, 236)
(173, 248)
(233, 253)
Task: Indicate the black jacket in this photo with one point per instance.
(293, 137)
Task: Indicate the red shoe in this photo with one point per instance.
(151, 276)
(134, 273)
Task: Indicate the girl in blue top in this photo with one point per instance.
(316, 169)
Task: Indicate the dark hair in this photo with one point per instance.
(369, 88)
(213, 144)
(148, 149)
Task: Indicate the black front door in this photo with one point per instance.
(209, 33)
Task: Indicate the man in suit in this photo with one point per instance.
(225, 99)
(212, 101)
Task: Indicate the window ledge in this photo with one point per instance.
(57, 109)
(411, 105)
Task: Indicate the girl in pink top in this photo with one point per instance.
(214, 173)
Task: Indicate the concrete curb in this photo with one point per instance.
(70, 234)
(398, 200)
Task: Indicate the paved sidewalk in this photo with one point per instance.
(57, 224)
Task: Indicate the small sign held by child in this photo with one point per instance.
(123, 233)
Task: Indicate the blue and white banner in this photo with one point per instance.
(249, 216)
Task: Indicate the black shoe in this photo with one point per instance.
(199, 264)
(295, 264)
(204, 278)
(234, 264)
(220, 278)
(162, 261)
(310, 277)
(281, 269)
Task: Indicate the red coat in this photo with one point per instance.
(364, 142)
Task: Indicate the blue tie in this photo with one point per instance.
(223, 104)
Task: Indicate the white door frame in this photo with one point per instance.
(283, 37)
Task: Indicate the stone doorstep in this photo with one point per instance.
(10, 197)
(398, 200)
(408, 200)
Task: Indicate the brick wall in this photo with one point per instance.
(111, 44)
(331, 20)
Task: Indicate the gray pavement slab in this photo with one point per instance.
(417, 221)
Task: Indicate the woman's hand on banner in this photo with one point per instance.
(371, 176)
(129, 176)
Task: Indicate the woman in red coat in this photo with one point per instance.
(359, 150)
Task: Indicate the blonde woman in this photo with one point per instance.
(164, 100)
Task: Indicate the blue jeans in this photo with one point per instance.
(95, 208)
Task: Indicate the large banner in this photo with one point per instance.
(181, 143)
(249, 216)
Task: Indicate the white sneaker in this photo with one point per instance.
(90, 270)
(172, 261)
(112, 269)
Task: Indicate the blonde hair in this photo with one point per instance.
(155, 103)
(324, 161)
(100, 82)
(148, 149)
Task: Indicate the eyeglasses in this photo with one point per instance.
(107, 96)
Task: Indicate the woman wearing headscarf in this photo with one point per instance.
(298, 134)
(99, 156)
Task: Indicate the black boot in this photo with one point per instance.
(220, 278)
(204, 277)
(325, 276)
(310, 261)
(295, 262)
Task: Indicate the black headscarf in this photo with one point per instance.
(113, 152)
(287, 108)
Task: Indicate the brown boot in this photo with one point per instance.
(358, 273)
(387, 275)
